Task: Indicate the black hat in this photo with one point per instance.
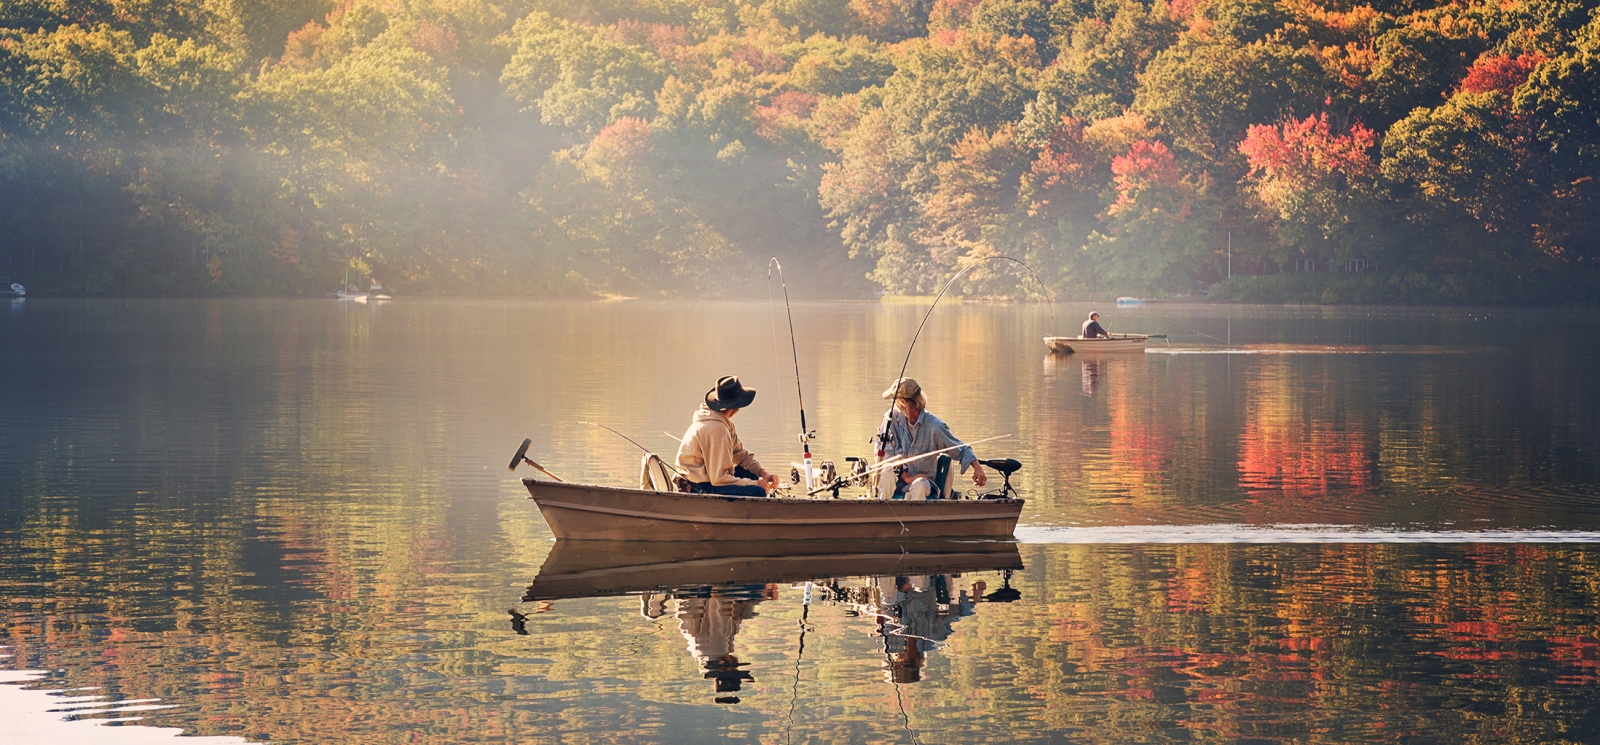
(729, 394)
(725, 673)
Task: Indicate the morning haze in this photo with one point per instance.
(868, 371)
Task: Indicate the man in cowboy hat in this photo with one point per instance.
(711, 456)
(909, 430)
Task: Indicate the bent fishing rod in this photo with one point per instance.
(806, 435)
(883, 434)
(635, 444)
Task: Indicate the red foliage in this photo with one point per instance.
(1180, 10)
(758, 60)
(786, 107)
(662, 38)
(438, 42)
(622, 140)
(1146, 166)
(1296, 157)
(1063, 159)
(1500, 73)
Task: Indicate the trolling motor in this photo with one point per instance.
(1005, 467)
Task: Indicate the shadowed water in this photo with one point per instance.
(285, 519)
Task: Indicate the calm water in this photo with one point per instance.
(290, 521)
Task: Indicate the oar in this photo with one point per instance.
(522, 457)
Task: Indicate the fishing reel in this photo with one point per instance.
(829, 479)
(825, 473)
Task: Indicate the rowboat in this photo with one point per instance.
(580, 569)
(606, 513)
(1115, 343)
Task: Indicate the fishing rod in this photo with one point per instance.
(883, 434)
(893, 462)
(794, 694)
(806, 435)
(635, 444)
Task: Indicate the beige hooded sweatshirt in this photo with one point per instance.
(711, 450)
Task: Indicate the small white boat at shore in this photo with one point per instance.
(1114, 343)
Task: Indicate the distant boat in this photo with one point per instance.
(1129, 302)
(349, 291)
(15, 290)
(1114, 343)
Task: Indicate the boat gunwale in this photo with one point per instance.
(530, 482)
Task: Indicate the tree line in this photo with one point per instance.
(1391, 151)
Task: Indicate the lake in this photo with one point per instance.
(291, 521)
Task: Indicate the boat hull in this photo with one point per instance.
(1071, 344)
(576, 569)
(587, 512)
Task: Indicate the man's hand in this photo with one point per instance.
(768, 480)
(978, 476)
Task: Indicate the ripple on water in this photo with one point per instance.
(1237, 533)
(61, 718)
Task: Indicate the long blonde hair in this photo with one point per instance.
(919, 400)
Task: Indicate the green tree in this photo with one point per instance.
(577, 77)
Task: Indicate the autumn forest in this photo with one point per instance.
(1397, 151)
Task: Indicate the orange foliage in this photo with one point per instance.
(621, 141)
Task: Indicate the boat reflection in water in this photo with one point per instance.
(910, 592)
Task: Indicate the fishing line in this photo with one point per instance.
(635, 444)
(1202, 333)
(883, 434)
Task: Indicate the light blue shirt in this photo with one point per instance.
(929, 434)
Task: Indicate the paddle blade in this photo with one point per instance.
(522, 452)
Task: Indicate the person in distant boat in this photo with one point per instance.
(711, 457)
(909, 430)
(1092, 328)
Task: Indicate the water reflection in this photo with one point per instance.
(292, 519)
(709, 620)
(909, 593)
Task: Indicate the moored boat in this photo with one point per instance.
(589, 512)
(1115, 343)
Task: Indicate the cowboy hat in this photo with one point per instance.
(729, 394)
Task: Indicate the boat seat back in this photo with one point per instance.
(653, 474)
